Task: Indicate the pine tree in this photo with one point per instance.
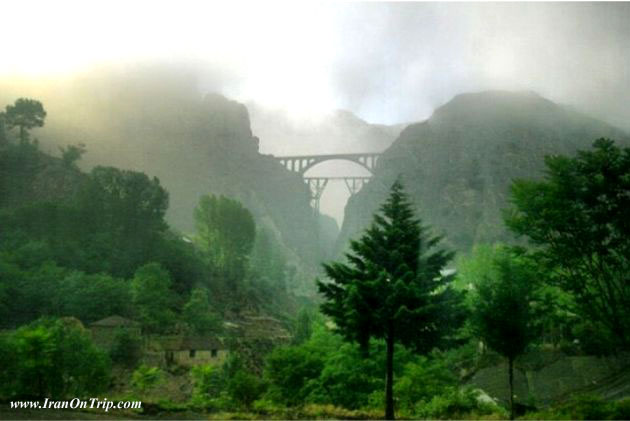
(392, 287)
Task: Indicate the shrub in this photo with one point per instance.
(207, 382)
(244, 388)
(456, 403)
(585, 407)
(145, 378)
(50, 358)
(421, 380)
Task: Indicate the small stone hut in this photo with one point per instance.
(104, 331)
(193, 350)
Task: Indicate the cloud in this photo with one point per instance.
(400, 60)
(387, 62)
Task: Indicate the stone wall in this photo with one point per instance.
(543, 377)
(187, 359)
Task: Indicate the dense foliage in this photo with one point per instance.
(52, 358)
(393, 287)
(226, 233)
(25, 114)
(78, 247)
(502, 313)
(578, 219)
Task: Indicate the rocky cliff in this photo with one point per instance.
(458, 165)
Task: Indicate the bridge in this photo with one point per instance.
(302, 163)
(318, 184)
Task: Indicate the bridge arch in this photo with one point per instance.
(302, 163)
(317, 184)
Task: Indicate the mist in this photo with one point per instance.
(295, 64)
(169, 244)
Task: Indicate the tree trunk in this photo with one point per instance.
(389, 378)
(511, 374)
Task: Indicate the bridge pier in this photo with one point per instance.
(301, 164)
(317, 185)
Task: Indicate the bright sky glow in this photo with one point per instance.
(279, 51)
(386, 62)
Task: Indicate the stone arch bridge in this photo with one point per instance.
(302, 163)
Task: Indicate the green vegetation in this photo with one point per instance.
(578, 219)
(585, 407)
(126, 349)
(501, 311)
(79, 247)
(198, 314)
(51, 358)
(24, 114)
(392, 288)
(145, 378)
(226, 233)
(71, 154)
(152, 296)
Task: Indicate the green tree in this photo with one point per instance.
(577, 216)
(196, 313)
(244, 388)
(207, 383)
(153, 298)
(421, 380)
(71, 154)
(54, 358)
(349, 378)
(26, 114)
(290, 370)
(92, 297)
(122, 214)
(392, 288)
(225, 232)
(502, 313)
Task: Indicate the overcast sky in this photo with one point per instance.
(387, 62)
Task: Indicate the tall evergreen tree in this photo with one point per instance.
(392, 287)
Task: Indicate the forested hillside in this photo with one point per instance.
(156, 122)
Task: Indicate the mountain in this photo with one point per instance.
(158, 123)
(457, 166)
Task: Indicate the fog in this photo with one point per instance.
(388, 63)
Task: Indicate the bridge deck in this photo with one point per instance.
(330, 156)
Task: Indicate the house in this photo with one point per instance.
(192, 350)
(104, 331)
